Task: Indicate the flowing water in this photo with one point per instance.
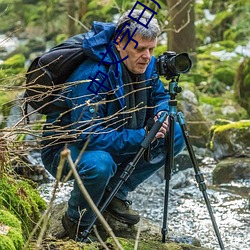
(187, 212)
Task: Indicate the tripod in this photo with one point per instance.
(169, 163)
(173, 90)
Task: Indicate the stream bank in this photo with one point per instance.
(188, 216)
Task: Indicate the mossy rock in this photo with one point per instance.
(219, 107)
(128, 244)
(22, 200)
(225, 75)
(150, 235)
(232, 139)
(231, 169)
(11, 237)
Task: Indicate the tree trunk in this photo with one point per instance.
(83, 7)
(181, 28)
(72, 13)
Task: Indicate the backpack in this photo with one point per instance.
(48, 73)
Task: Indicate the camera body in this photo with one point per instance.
(171, 65)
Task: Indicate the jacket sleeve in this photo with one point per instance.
(88, 122)
(159, 95)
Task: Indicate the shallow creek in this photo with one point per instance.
(187, 212)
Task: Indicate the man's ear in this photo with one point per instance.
(118, 43)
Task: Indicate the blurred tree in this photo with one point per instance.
(181, 26)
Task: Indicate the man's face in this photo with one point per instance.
(139, 58)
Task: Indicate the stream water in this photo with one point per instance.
(187, 212)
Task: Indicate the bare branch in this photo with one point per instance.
(66, 154)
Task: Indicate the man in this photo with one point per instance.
(110, 123)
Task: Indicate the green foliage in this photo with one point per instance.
(229, 23)
(160, 50)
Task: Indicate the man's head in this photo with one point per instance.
(138, 58)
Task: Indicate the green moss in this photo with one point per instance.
(13, 71)
(22, 200)
(236, 125)
(214, 101)
(9, 219)
(16, 237)
(128, 244)
(13, 239)
(225, 75)
(16, 61)
(6, 243)
(228, 45)
(239, 128)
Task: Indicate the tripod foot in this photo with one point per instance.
(164, 232)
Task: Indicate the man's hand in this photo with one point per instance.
(164, 128)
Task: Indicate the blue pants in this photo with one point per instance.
(99, 171)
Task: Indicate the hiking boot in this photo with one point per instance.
(75, 231)
(121, 211)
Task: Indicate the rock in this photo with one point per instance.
(188, 95)
(197, 125)
(149, 238)
(227, 110)
(181, 179)
(229, 140)
(231, 169)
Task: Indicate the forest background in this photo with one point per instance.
(214, 33)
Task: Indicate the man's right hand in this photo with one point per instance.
(164, 128)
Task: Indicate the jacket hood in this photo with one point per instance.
(96, 41)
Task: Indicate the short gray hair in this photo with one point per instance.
(149, 33)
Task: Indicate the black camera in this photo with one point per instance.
(171, 65)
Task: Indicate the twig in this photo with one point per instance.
(66, 154)
(137, 236)
(77, 21)
(99, 238)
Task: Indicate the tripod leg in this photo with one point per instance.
(168, 173)
(199, 177)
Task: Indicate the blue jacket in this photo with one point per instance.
(99, 118)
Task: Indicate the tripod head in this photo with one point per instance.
(174, 89)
